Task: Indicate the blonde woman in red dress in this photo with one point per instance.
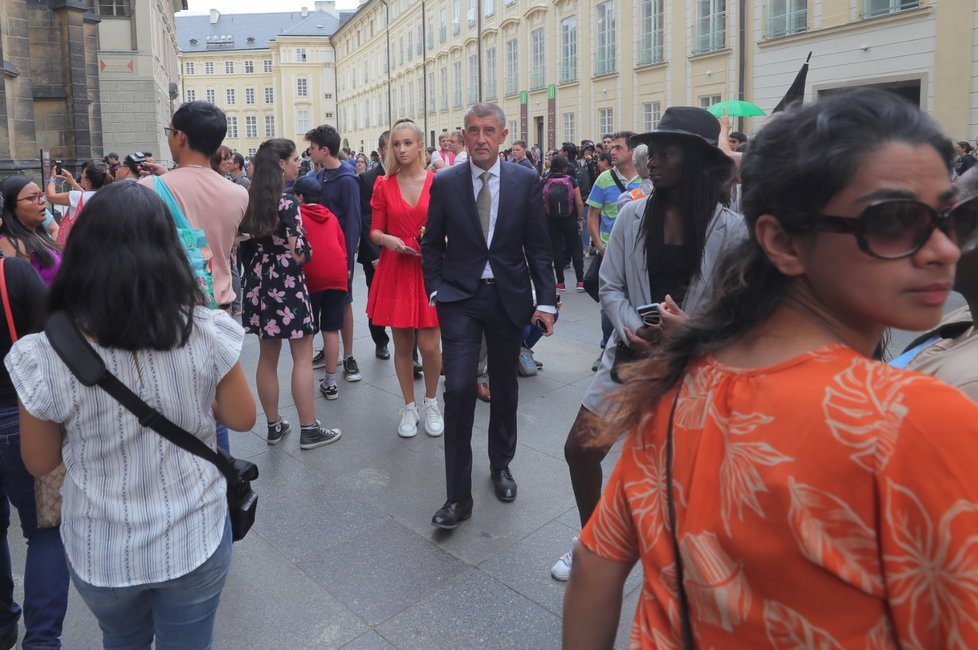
(397, 296)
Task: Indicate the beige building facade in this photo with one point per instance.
(273, 74)
(564, 70)
(138, 73)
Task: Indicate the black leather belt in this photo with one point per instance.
(489, 281)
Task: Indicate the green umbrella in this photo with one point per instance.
(736, 108)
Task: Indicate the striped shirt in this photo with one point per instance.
(136, 509)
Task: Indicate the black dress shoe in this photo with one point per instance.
(504, 484)
(450, 514)
(382, 352)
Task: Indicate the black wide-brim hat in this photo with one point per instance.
(689, 124)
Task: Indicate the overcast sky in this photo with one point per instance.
(255, 6)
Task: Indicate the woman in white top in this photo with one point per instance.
(144, 523)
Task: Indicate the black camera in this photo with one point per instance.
(58, 167)
(134, 162)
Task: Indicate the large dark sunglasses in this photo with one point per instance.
(898, 228)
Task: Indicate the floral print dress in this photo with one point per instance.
(829, 501)
(276, 302)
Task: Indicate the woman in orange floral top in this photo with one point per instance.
(820, 499)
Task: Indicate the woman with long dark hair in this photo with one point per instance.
(144, 523)
(565, 229)
(22, 233)
(94, 176)
(779, 485)
(662, 250)
(276, 302)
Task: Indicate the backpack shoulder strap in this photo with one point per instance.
(617, 180)
(6, 302)
(164, 193)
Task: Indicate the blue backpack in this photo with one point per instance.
(194, 242)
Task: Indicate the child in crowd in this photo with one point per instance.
(325, 273)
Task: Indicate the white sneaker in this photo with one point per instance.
(408, 427)
(434, 423)
(562, 568)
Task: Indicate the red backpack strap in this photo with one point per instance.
(6, 302)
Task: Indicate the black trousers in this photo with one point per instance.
(377, 332)
(566, 241)
(463, 324)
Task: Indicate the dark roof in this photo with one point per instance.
(233, 31)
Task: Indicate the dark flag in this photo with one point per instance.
(796, 92)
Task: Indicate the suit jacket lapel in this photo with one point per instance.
(468, 191)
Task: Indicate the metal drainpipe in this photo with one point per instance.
(742, 56)
(387, 30)
(424, 65)
(478, 44)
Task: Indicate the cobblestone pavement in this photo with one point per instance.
(343, 555)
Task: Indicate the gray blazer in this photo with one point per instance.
(624, 284)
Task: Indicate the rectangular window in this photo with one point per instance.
(209, 67)
(232, 127)
(410, 45)
(456, 16)
(269, 95)
(651, 32)
(457, 73)
(300, 55)
(252, 151)
(249, 67)
(711, 26)
(116, 8)
(188, 67)
(229, 67)
(786, 17)
(538, 64)
(267, 65)
(513, 135)
(269, 126)
(491, 73)
(209, 96)
(302, 87)
(444, 87)
(409, 108)
(229, 95)
(431, 32)
(431, 92)
(191, 95)
(473, 81)
(249, 96)
(442, 24)
(420, 42)
(473, 12)
(569, 131)
(490, 6)
(873, 8)
(651, 112)
(400, 50)
(604, 57)
(302, 121)
(606, 120)
(512, 69)
(568, 49)
(707, 101)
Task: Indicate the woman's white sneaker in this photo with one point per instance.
(434, 423)
(408, 427)
(561, 569)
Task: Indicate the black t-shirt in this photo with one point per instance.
(28, 302)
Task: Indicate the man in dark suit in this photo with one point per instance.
(481, 248)
(369, 253)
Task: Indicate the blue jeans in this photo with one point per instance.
(606, 329)
(179, 612)
(46, 573)
(532, 333)
(222, 438)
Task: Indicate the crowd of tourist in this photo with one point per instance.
(780, 481)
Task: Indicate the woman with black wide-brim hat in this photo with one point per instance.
(662, 249)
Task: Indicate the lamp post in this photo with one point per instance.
(387, 31)
(424, 66)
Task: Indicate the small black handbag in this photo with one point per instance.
(85, 364)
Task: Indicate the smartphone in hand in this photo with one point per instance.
(650, 314)
(57, 167)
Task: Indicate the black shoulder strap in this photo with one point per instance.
(684, 620)
(614, 177)
(87, 366)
